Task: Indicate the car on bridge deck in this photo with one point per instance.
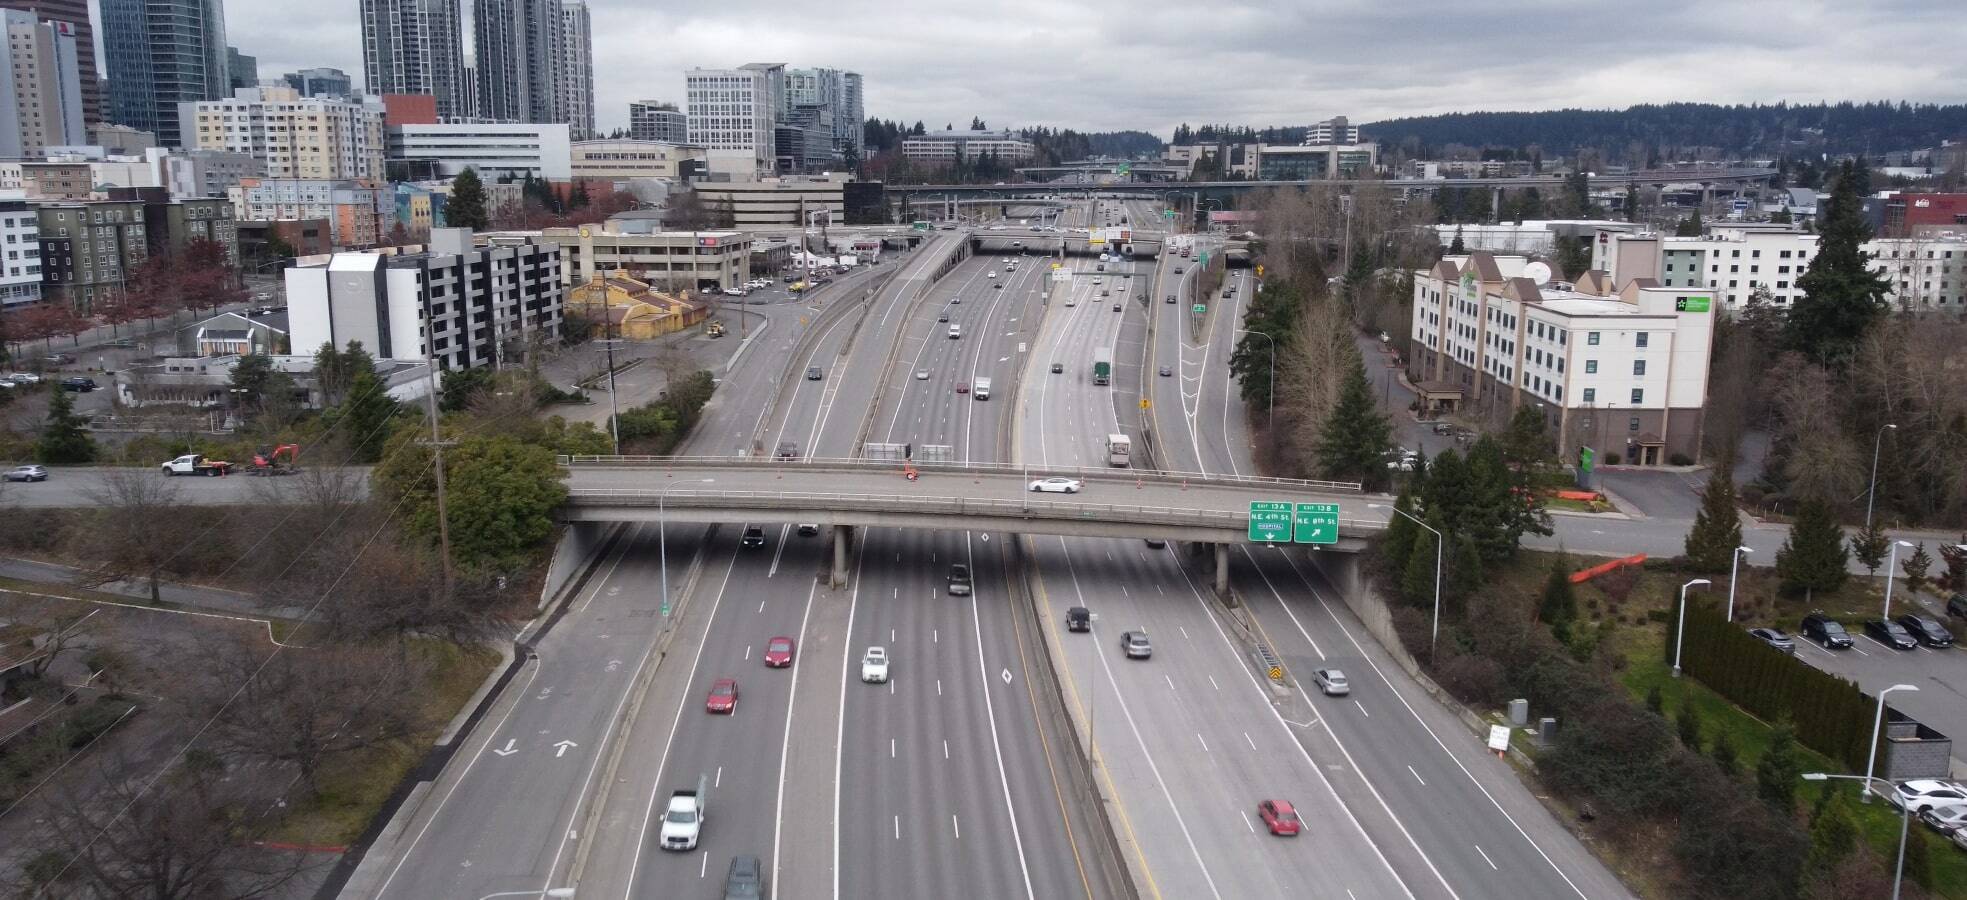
(1280, 817)
(779, 652)
(874, 666)
(1056, 485)
(723, 696)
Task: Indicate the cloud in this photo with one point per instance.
(1151, 64)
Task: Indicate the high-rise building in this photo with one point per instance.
(76, 14)
(1335, 130)
(520, 60)
(297, 137)
(162, 53)
(243, 70)
(416, 47)
(654, 120)
(850, 119)
(733, 114)
(577, 57)
(832, 99)
(321, 83)
(40, 87)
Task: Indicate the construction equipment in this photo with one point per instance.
(278, 461)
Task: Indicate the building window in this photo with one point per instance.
(1591, 367)
(1641, 340)
(1591, 338)
(1591, 395)
(1632, 424)
(1638, 396)
(1638, 367)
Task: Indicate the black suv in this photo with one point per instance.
(1826, 631)
(1078, 618)
(1926, 630)
(754, 536)
(1889, 633)
(959, 580)
(78, 384)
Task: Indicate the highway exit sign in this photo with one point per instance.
(1315, 523)
(1199, 308)
(1270, 521)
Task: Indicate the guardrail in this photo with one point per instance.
(883, 465)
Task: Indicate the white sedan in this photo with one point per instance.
(1056, 485)
(874, 666)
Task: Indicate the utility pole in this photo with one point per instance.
(614, 407)
(437, 444)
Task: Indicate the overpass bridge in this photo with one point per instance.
(847, 494)
(1072, 242)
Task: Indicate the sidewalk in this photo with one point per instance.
(184, 595)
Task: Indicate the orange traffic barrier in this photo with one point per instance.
(1583, 575)
(1581, 496)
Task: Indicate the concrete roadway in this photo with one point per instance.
(1191, 743)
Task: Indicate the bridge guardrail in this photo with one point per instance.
(1102, 474)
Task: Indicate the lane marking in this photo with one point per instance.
(839, 732)
(1250, 740)
(1199, 740)
(955, 826)
(1246, 821)
(990, 713)
(1417, 776)
(1485, 857)
(1362, 709)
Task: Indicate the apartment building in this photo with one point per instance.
(75, 14)
(1926, 273)
(40, 86)
(1730, 261)
(655, 120)
(484, 306)
(734, 115)
(295, 136)
(416, 47)
(89, 250)
(1624, 372)
(577, 67)
(20, 274)
(359, 212)
(942, 148)
(520, 60)
(497, 151)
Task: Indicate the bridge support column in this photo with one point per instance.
(1222, 570)
(843, 535)
(1496, 204)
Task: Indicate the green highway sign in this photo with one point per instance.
(1315, 523)
(1270, 521)
(1199, 308)
(1167, 214)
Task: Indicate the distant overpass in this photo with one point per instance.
(909, 192)
(848, 494)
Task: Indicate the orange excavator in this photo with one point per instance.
(278, 461)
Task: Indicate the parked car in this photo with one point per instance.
(723, 696)
(27, 473)
(1279, 817)
(1889, 633)
(1774, 637)
(874, 666)
(1957, 605)
(79, 384)
(779, 652)
(1925, 793)
(1926, 630)
(24, 378)
(1945, 819)
(1331, 682)
(1826, 631)
(1135, 645)
(1056, 485)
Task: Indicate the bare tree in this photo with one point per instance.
(1821, 461)
(128, 540)
(61, 632)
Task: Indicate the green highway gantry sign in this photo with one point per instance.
(1270, 521)
(1315, 523)
(1199, 308)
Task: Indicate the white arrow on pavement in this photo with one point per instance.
(560, 748)
(509, 748)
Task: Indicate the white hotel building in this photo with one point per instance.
(1624, 372)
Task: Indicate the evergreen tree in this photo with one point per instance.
(1869, 546)
(65, 439)
(1717, 530)
(466, 206)
(1813, 557)
(1632, 203)
(1526, 443)
(1726, 758)
(1559, 607)
(1839, 296)
(1919, 859)
(1690, 226)
(1457, 248)
(1464, 575)
(1655, 701)
(1353, 443)
(1915, 567)
(1687, 723)
(1833, 837)
(364, 417)
(1417, 580)
(1777, 772)
(1397, 542)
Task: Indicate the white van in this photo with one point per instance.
(982, 390)
(955, 331)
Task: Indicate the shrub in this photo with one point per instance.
(1473, 679)
(1679, 459)
(1611, 459)
(1615, 756)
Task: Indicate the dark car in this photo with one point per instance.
(813, 373)
(754, 536)
(959, 580)
(1774, 637)
(1890, 634)
(1057, 368)
(1826, 631)
(1957, 605)
(1167, 371)
(1078, 618)
(1171, 298)
(744, 881)
(78, 384)
(1926, 630)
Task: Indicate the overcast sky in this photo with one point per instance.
(1150, 64)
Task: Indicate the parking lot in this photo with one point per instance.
(1940, 702)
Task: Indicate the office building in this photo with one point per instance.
(297, 137)
(942, 148)
(673, 261)
(162, 53)
(497, 151)
(828, 101)
(40, 86)
(577, 73)
(654, 120)
(76, 14)
(1302, 162)
(733, 114)
(1927, 273)
(20, 273)
(120, 140)
(778, 201)
(485, 306)
(520, 57)
(190, 174)
(321, 82)
(89, 250)
(359, 212)
(1335, 130)
(1902, 214)
(416, 47)
(616, 160)
(1624, 372)
(242, 69)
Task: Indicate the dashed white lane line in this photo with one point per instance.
(1171, 682)
(1247, 823)
(1362, 709)
(1199, 740)
(1485, 857)
(1250, 740)
(955, 826)
(1417, 776)
(898, 828)
(1213, 684)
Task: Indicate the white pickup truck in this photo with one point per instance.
(194, 464)
(682, 824)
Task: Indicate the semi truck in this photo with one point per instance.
(1103, 365)
(1119, 448)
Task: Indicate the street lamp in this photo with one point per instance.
(1438, 541)
(1892, 562)
(1905, 820)
(545, 892)
(1270, 412)
(1877, 724)
(662, 539)
(1733, 569)
(1871, 493)
(1680, 631)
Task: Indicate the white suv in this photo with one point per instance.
(874, 666)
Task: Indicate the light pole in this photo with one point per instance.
(1877, 724)
(1871, 492)
(1438, 541)
(1270, 411)
(544, 892)
(1905, 820)
(1734, 568)
(1892, 562)
(662, 540)
(1680, 631)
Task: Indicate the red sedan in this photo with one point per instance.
(778, 652)
(723, 696)
(1279, 817)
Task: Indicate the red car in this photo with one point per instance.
(723, 696)
(1279, 817)
(778, 652)
(962, 387)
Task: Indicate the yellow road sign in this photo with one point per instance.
(1144, 403)
(1277, 673)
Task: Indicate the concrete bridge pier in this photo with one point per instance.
(843, 536)
(1222, 571)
